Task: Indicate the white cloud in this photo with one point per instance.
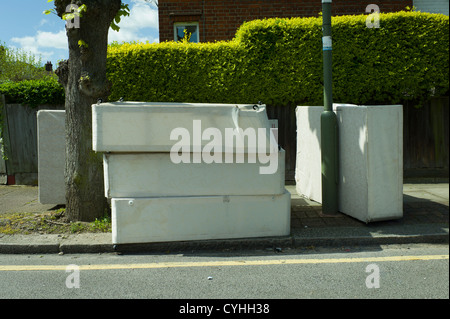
(43, 39)
(142, 16)
(52, 40)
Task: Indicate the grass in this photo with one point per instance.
(51, 222)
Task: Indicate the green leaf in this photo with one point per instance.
(82, 43)
(115, 27)
(68, 16)
(82, 8)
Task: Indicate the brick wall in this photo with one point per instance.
(219, 19)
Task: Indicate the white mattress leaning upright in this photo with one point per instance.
(370, 159)
(371, 166)
(51, 156)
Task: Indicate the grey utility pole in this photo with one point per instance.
(328, 122)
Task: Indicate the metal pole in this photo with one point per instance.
(328, 120)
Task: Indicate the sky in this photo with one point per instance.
(23, 25)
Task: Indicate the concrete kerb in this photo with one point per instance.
(54, 244)
(279, 244)
(101, 243)
(367, 240)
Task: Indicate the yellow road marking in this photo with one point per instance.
(222, 263)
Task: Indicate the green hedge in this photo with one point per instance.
(34, 92)
(279, 61)
(172, 71)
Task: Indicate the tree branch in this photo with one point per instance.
(63, 73)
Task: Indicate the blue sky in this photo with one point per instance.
(24, 26)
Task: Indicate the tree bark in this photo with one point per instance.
(84, 79)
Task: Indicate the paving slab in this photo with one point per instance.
(21, 199)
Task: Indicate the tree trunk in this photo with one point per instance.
(84, 79)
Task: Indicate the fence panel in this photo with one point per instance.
(20, 142)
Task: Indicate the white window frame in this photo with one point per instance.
(185, 24)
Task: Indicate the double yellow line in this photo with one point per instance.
(222, 263)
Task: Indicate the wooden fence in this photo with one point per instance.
(425, 139)
(19, 129)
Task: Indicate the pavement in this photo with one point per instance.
(425, 220)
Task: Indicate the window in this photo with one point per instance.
(191, 29)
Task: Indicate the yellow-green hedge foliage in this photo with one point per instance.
(175, 72)
(279, 61)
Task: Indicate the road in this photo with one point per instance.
(401, 271)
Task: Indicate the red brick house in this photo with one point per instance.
(211, 20)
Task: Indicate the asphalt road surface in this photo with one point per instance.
(400, 272)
